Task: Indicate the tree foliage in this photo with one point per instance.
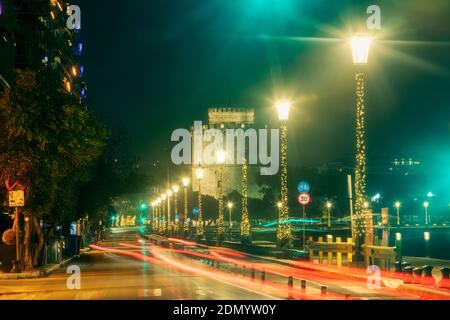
(47, 142)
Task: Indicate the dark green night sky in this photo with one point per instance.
(154, 66)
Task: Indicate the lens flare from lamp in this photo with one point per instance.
(360, 49)
(199, 173)
(283, 108)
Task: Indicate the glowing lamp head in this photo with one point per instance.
(169, 193)
(163, 197)
(283, 108)
(360, 49)
(199, 173)
(329, 204)
(279, 205)
(398, 204)
(230, 205)
(185, 182)
(426, 204)
(175, 188)
(220, 156)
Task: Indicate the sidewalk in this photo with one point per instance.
(42, 272)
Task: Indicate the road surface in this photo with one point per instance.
(126, 266)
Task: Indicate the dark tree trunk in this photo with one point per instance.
(27, 260)
(40, 244)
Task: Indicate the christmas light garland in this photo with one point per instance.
(284, 231)
(200, 213)
(185, 218)
(245, 223)
(360, 169)
(220, 223)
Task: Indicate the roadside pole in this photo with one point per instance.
(350, 197)
(17, 224)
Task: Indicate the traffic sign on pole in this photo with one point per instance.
(303, 187)
(304, 198)
(16, 198)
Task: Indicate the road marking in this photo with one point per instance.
(150, 292)
(250, 290)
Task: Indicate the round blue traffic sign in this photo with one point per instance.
(303, 186)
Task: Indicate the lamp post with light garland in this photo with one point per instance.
(185, 214)
(284, 231)
(199, 175)
(360, 52)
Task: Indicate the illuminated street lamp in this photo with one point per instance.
(199, 175)
(360, 48)
(329, 205)
(360, 51)
(175, 189)
(284, 228)
(426, 204)
(220, 157)
(397, 206)
(230, 208)
(185, 215)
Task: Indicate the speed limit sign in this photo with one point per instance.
(304, 199)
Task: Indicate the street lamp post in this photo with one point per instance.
(158, 214)
(360, 50)
(397, 206)
(185, 215)
(246, 228)
(284, 228)
(175, 189)
(426, 204)
(329, 205)
(230, 207)
(199, 175)
(169, 215)
(153, 220)
(279, 206)
(163, 206)
(220, 224)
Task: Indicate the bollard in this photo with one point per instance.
(263, 276)
(408, 274)
(398, 266)
(428, 275)
(404, 264)
(290, 286)
(417, 272)
(303, 286)
(253, 273)
(445, 280)
(323, 291)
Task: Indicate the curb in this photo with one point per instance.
(43, 272)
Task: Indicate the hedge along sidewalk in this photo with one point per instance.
(43, 272)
